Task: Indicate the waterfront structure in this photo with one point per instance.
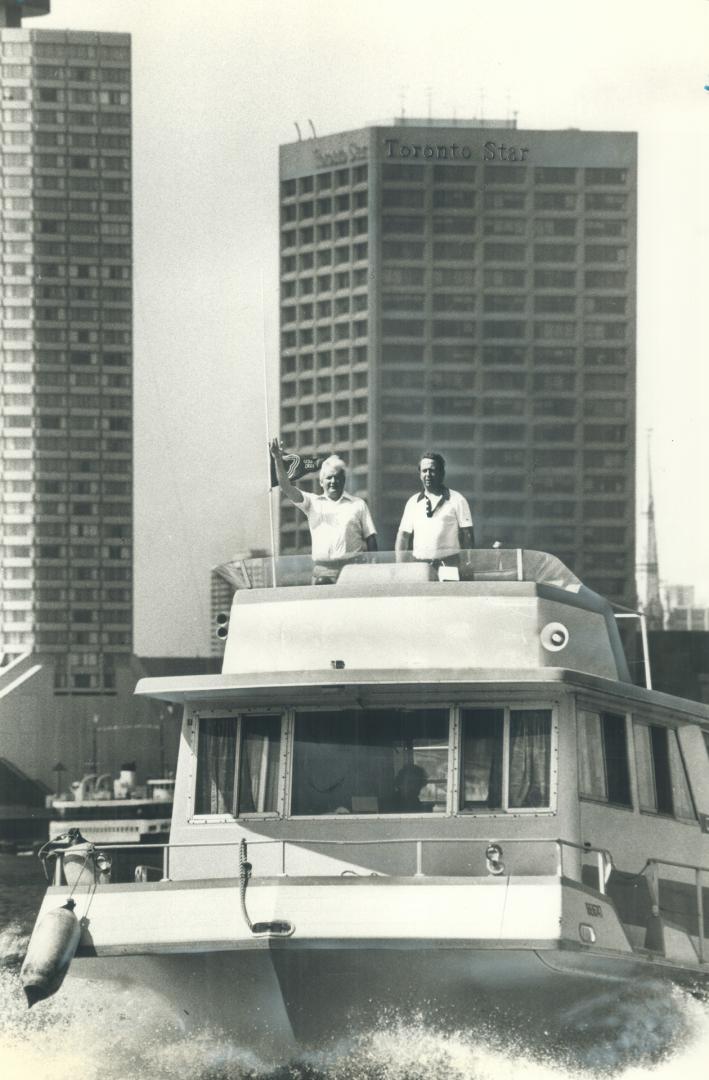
(469, 287)
(65, 351)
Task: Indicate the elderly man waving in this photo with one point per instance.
(340, 524)
(437, 521)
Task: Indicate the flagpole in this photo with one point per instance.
(268, 433)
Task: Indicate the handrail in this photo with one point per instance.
(653, 880)
(603, 856)
(676, 865)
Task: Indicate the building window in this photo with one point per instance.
(504, 355)
(506, 226)
(453, 199)
(610, 253)
(403, 225)
(511, 304)
(503, 329)
(555, 175)
(504, 252)
(513, 279)
(605, 357)
(606, 176)
(603, 227)
(404, 197)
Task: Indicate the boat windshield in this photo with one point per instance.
(380, 567)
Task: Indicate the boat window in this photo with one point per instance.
(603, 758)
(216, 761)
(257, 740)
(523, 737)
(662, 781)
(530, 757)
(258, 769)
(482, 758)
(592, 773)
(370, 761)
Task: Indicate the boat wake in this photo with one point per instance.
(103, 1033)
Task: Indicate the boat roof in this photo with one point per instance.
(379, 687)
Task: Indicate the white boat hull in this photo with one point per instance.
(361, 952)
(279, 1001)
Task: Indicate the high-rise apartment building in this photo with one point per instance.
(65, 350)
(468, 287)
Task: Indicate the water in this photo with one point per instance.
(106, 1033)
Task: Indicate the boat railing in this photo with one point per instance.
(680, 898)
(429, 857)
(366, 568)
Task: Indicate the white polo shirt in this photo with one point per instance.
(436, 536)
(338, 527)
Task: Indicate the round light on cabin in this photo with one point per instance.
(554, 637)
(587, 934)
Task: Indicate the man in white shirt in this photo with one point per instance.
(340, 524)
(437, 522)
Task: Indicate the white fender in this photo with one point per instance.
(51, 949)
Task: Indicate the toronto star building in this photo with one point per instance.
(468, 287)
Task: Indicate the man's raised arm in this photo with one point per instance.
(289, 490)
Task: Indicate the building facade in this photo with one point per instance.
(66, 352)
(682, 610)
(469, 288)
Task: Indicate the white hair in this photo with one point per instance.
(332, 462)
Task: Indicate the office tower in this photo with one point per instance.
(468, 287)
(65, 350)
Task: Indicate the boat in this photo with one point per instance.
(117, 814)
(421, 789)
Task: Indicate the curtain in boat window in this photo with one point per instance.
(216, 764)
(530, 757)
(258, 768)
(592, 773)
(482, 759)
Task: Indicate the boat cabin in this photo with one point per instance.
(405, 719)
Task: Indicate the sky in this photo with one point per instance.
(217, 86)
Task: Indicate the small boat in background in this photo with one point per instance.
(121, 812)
